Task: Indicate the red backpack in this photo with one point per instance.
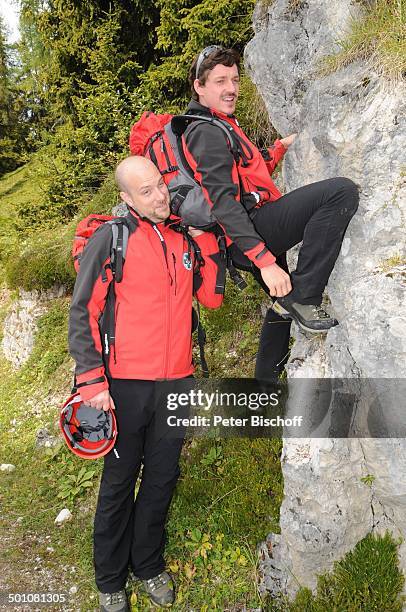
(119, 229)
(159, 138)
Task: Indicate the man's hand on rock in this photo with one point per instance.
(288, 140)
(276, 279)
(101, 401)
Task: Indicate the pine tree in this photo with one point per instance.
(186, 27)
(88, 59)
(9, 133)
(32, 60)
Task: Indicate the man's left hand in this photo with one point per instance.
(194, 232)
(288, 140)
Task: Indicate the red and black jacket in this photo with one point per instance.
(222, 179)
(153, 304)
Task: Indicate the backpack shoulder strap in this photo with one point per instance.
(192, 245)
(181, 123)
(120, 234)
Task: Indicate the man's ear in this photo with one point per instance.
(126, 198)
(197, 86)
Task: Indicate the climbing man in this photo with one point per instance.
(153, 324)
(260, 223)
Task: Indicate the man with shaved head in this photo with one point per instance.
(152, 308)
(137, 178)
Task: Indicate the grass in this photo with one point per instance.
(220, 511)
(39, 257)
(253, 115)
(17, 187)
(233, 331)
(227, 500)
(379, 37)
(367, 579)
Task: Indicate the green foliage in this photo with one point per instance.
(39, 256)
(369, 479)
(186, 27)
(90, 43)
(233, 331)
(73, 485)
(240, 495)
(30, 59)
(11, 132)
(95, 52)
(378, 37)
(367, 579)
(42, 262)
(50, 350)
(95, 66)
(213, 458)
(253, 115)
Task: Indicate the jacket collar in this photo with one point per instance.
(169, 222)
(195, 108)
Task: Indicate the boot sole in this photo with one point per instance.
(285, 314)
(157, 605)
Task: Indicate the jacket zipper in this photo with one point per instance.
(115, 334)
(168, 308)
(174, 268)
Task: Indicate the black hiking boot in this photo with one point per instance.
(160, 589)
(309, 317)
(114, 602)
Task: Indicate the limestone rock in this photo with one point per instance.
(45, 439)
(64, 516)
(7, 467)
(20, 324)
(350, 123)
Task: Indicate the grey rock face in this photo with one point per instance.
(20, 324)
(350, 123)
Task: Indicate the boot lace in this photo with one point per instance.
(115, 598)
(156, 582)
(320, 312)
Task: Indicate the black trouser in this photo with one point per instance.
(127, 532)
(318, 214)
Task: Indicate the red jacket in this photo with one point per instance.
(153, 308)
(207, 152)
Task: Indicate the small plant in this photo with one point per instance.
(73, 485)
(213, 458)
(368, 479)
(392, 262)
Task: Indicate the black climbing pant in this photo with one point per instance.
(129, 530)
(317, 214)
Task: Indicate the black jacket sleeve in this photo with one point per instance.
(88, 302)
(207, 145)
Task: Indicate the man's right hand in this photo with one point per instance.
(101, 401)
(277, 280)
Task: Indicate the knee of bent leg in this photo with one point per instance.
(350, 191)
